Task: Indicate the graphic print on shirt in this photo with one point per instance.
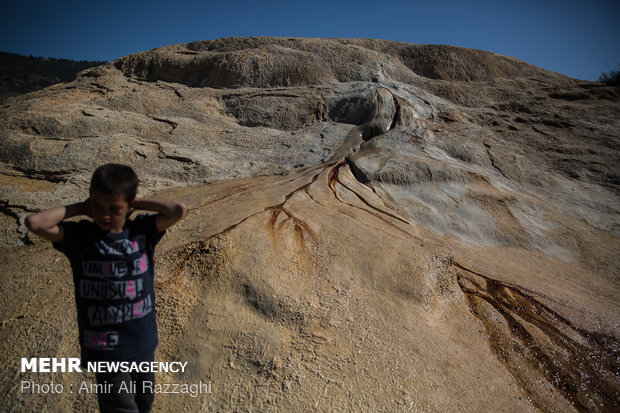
(111, 290)
(114, 269)
(118, 278)
(121, 313)
(117, 268)
(101, 340)
(121, 247)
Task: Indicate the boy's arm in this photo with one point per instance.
(45, 223)
(169, 212)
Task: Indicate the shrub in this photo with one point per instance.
(611, 78)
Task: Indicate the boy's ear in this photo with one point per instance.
(133, 205)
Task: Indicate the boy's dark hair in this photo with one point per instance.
(113, 178)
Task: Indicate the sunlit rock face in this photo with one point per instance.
(373, 226)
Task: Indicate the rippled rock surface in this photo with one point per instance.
(373, 226)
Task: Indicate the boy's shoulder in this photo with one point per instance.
(83, 226)
(76, 234)
(139, 222)
(143, 223)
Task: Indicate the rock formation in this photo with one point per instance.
(373, 226)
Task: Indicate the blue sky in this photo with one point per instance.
(580, 39)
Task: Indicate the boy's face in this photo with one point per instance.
(109, 211)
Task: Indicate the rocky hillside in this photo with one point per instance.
(373, 226)
(23, 74)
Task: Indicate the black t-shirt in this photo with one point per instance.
(114, 295)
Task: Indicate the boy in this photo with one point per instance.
(112, 262)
